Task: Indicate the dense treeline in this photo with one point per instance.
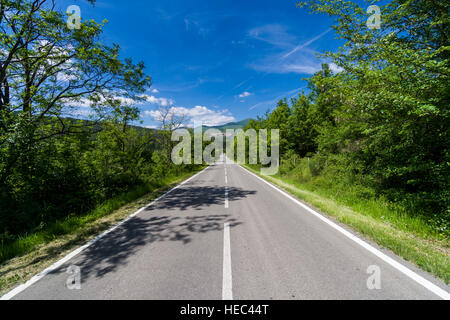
(72, 174)
(380, 126)
(51, 166)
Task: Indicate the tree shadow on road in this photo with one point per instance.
(199, 197)
(114, 250)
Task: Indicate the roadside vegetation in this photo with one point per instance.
(388, 225)
(59, 173)
(73, 224)
(369, 142)
(33, 253)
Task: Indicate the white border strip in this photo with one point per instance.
(74, 253)
(411, 274)
(226, 197)
(227, 280)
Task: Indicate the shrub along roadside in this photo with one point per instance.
(85, 226)
(406, 236)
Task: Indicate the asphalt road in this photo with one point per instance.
(225, 234)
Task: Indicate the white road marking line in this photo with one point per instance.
(226, 197)
(74, 253)
(226, 173)
(411, 274)
(226, 176)
(227, 282)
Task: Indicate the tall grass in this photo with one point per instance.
(334, 181)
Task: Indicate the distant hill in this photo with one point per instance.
(232, 125)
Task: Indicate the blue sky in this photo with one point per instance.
(217, 61)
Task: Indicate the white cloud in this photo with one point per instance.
(201, 114)
(164, 102)
(155, 91)
(84, 112)
(245, 94)
(335, 68)
(86, 103)
(66, 76)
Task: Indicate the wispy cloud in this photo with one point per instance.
(274, 34)
(306, 44)
(271, 102)
(301, 64)
(292, 59)
(183, 86)
(240, 84)
(165, 15)
(200, 22)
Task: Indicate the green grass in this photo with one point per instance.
(27, 243)
(389, 226)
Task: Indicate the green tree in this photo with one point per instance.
(49, 163)
(278, 119)
(395, 82)
(301, 128)
(46, 70)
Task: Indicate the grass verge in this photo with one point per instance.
(33, 253)
(406, 236)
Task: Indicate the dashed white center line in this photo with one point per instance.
(226, 188)
(226, 197)
(227, 283)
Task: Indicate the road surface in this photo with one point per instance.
(225, 234)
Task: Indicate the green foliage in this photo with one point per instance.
(52, 167)
(382, 123)
(15, 246)
(70, 175)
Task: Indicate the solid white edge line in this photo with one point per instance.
(411, 274)
(74, 253)
(227, 280)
